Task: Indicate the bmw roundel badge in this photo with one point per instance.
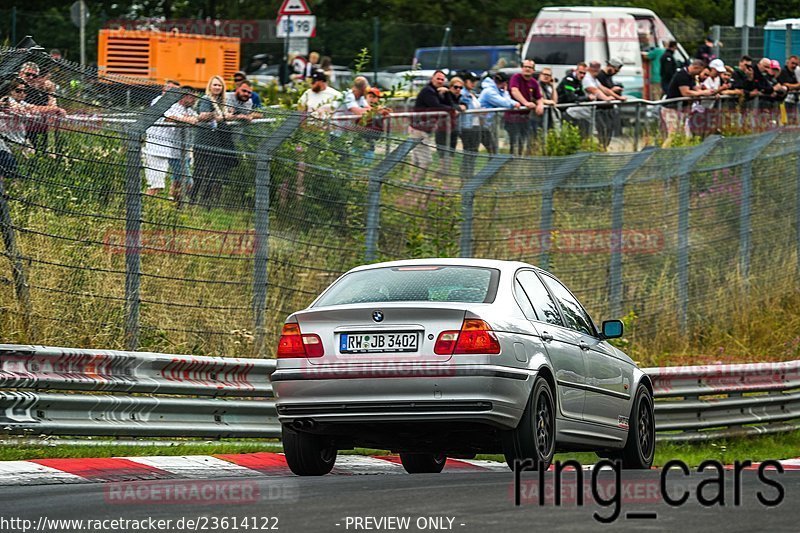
(377, 316)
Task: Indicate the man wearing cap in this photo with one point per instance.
(606, 77)
(469, 124)
(239, 78)
(494, 95)
(570, 91)
(320, 100)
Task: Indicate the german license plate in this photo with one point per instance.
(378, 342)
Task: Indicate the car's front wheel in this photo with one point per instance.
(535, 435)
(423, 463)
(308, 454)
(640, 449)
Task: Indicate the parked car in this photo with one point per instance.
(453, 357)
(476, 59)
(560, 37)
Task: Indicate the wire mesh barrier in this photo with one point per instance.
(197, 225)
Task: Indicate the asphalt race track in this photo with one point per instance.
(467, 501)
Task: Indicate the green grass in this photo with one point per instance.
(21, 452)
(760, 448)
(727, 451)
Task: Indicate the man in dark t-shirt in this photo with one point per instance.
(788, 79)
(683, 84)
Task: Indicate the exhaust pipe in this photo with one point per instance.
(304, 424)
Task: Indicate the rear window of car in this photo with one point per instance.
(434, 283)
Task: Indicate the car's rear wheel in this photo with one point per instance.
(535, 436)
(308, 454)
(640, 448)
(423, 463)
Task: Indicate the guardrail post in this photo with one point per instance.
(17, 267)
(133, 213)
(266, 151)
(557, 176)
(468, 199)
(374, 196)
(617, 223)
(745, 228)
(684, 192)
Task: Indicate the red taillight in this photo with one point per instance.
(293, 343)
(475, 337)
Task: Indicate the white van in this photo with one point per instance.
(560, 37)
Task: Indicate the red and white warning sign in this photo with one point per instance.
(294, 7)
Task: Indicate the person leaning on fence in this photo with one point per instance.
(683, 85)
(469, 124)
(167, 142)
(570, 91)
(606, 116)
(524, 89)
(355, 99)
(494, 95)
(41, 105)
(549, 97)
(320, 100)
(373, 122)
(239, 78)
(788, 78)
(447, 135)
(12, 126)
(429, 99)
(214, 151)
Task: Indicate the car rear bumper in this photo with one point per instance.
(488, 394)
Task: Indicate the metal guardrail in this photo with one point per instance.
(714, 401)
(162, 395)
(154, 394)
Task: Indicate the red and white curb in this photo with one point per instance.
(115, 469)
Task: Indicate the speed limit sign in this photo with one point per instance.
(297, 26)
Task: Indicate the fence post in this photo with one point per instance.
(373, 221)
(266, 151)
(745, 40)
(716, 34)
(788, 41)
(684, 197)
(133, 213)
(468, 199)
(637, 126)
(797, 213)
(17, 267)
(745, 228)
(617, 223)
(557, 176)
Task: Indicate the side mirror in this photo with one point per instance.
(612, 329)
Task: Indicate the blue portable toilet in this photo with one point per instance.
(775, 39)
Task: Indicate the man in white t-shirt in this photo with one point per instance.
(320, 100)
(166, 143)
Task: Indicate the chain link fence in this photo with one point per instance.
(257, 215)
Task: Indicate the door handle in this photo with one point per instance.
(546, 337)
(585, 347)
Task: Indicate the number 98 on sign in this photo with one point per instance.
(297, 26)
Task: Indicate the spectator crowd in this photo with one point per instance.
(464, 106)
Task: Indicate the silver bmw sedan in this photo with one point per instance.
(433, 358)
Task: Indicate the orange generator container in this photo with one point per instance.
(155, 56)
